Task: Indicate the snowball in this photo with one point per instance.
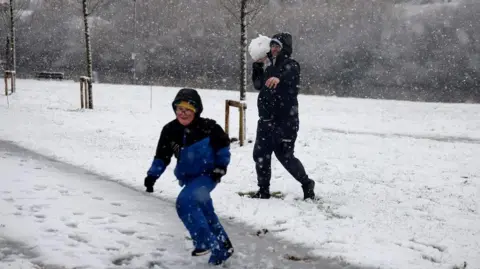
(259, 47)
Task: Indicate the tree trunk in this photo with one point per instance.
(12, 41)
(243, 50)
(8, 58)
(88, 54)
(134, 54)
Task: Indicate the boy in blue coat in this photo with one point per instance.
(202, 149)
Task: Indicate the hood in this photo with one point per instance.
(285, 41)
(192, 97)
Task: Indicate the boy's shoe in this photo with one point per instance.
(309, 190)
(218, 257)
(200, 252)
(228, 245)
(262, 194)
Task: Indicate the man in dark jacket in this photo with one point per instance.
(202, 150)
(278, 122)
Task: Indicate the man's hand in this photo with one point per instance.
(262, 60)
(272, 82)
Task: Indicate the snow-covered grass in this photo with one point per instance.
(399, 181)
(77, 222)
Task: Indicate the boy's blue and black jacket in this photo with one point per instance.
(202, 149)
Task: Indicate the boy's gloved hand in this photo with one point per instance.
(149, 182)
(218, 173)
(156, 170)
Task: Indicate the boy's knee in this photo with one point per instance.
(201, 195)
(183, 203)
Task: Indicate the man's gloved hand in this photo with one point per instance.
(149, 182)
(218, 173)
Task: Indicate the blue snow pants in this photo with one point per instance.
(195, 209)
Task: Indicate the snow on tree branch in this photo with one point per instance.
(19, 8)
(251, 8)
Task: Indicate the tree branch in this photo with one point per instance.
(231, 10)
(19, 9)
(255, 11)
(99, 3)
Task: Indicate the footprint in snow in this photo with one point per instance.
(120, 215)
(9, 199)
(39, 218)
(124, 243)
(125, 259)
(71, 224)
(148, 223)
(39, 187)
(146, 238)
(78, 238)
(155, 264)
(112, 249)
(37, 208)
(127, 231)
(166, 234)
(64, 192)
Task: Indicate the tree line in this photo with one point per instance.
(411, 50)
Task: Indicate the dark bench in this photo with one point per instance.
(49, 75)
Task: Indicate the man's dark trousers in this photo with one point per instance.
(278, 138)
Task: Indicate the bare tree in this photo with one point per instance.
(244, 13)
(88, 8)
(9, 14)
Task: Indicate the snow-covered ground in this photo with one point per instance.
(399, 181)
(67, 219)
(57, 216)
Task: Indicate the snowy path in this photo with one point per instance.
(55, 215)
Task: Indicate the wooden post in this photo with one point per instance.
(84, 97)
(6, 82)
(81, 94)
(241, 134)
(13, 80)
(8, 74)
(227, 115)
(241, 109)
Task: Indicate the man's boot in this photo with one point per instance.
(309, 190)
(262, 193)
